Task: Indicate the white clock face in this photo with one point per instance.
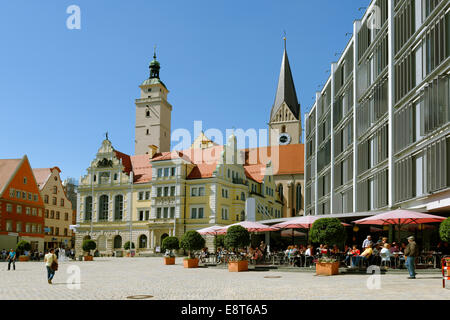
(284, 139)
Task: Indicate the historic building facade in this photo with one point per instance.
(58, 208)
(377, 136)
(21, 205)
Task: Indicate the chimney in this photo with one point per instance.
(152, 150)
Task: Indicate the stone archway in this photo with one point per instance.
(117, 243)
(143, 242)
(163, 236)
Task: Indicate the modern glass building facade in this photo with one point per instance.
(378, 134)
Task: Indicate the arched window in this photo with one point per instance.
(147, 113)
(143, 241)
(280, 191)
(118, 207)
(117, 242)
(88, 208)
(299, 197)
(103, 208)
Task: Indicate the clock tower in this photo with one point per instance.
(285, 120)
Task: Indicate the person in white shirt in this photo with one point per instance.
(367, 242)
(385, 253)
(48, 260)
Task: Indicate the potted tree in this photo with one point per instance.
(444, 232)
(169, 244)
(327, 231)
(191, 241)
(237, 238)
(129, 248)
(21, 247)
(87, 246)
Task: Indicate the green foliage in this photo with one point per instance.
(89, 245)
(170, 243)
(219, 241)
(328, 231)
(237, 237)
(191, 241)
(126, 246)
(23, 246)
(444, 230)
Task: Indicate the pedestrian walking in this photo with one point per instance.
(12, 259)
(411, 253)
(51, 264)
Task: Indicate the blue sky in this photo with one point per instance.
(61, 89)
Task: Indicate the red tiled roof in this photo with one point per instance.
(7, 168)
(126, 161)
(42, 175)
(205, 161)
(288, 159)
(142, 168)
(255, 172)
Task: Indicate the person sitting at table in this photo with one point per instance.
(386, 254)
(335, 249)
(324, 250)
(319, 249)
(363, 257)
(352, 253)
(394, 248)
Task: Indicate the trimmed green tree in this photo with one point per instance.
(89, 245)
(23, 246)
(191, 241)
(237, 237)
(219, 241)
(444, 230)
(171, 243)
(329, 231)
(126, 246)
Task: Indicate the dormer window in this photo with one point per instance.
(149, 90)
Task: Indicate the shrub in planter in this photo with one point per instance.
(444, 230)
(87, 246)
(21, 247)
(169, 244)
(126, 246)
(237, 237)
(191, 241)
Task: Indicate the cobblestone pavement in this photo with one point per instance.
(118, 278)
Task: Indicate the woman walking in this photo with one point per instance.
(51, 263)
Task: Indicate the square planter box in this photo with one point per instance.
(88, 258)
(190, 263)
(238, 266)
(327, 269)
(24, 258)
(169, 261)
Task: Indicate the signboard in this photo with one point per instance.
(13, 234)
(46, 229)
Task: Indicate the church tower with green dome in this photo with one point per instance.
(153, 114)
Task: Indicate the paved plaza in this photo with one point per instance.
(119, 278)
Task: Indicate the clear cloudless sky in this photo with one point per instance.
(61, 89)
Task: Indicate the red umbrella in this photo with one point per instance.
(210, 230)
(250, 226)
(400, 217)
(305, 222)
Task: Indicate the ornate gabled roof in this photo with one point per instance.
(286, 90)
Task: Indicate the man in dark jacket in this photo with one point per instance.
(411, 253)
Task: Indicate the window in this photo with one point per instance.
(57, 215)
(193, 213)
(54, 201)
(55, 190)
(66, 216)
(299, 197)
(46, 199)
(11, 193)
(19, 209)
(141, 215)
(147, 114)
(28, 211)
(34, 212)
(172, 191)
(24, 180)
(147, 195)
(9, 207)
(28, 228)
(242, 196)
(115, 176)
(33, 228)
(19, 227)
(172, 171)
(143, 241)
(166, 191)
(52, 214)
(46, 213)
(147, 215)
(160, 173)
(65, 232)
(172, 212)
(87, 208)
(159, 192)
(62, 202)
(9, 225)
(166, 172)
(18, 193)
(148, 132)
(224, 214)
(40, 212)
(36, 198)
(39, 229)
(200, 213)
(194, 192)
(158, 213)
(166, 213)
(103, 208)
(24, 195)
(224, 193)
(141, 196)
(57, 231)
(201, 191)
(30, 196)
(118, 207)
